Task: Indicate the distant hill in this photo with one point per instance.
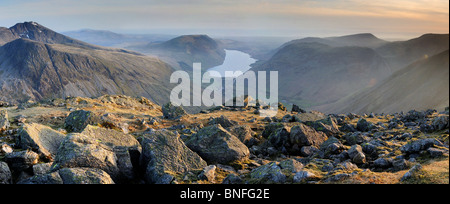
(421, 85)
(312, 74)
(42, 64)
(112, 39)
(357, 40)
(183, 51)
(402, 53)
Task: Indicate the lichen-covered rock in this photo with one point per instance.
(5, 173)
(164, 155)
(356, 154)
(49, 178)
(440, 123)
(270, 128)
(173, 112)
(303, 135)
(364, 126)
(268, 174)
(420, 145)
(302, 176)
(223, 121)
(327, 125)
(105, 149)
(245, 134)
(84, 176)
(216, 145)
(4, 122)
(40, 138)
(291, 165)
(78, 120)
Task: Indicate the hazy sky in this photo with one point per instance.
(384, 18)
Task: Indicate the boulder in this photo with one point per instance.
(268, 174)
(109, 150)
(420, 145)
(78, 120)
(4, 122)
(297, 109)
(208, 173)
(19, 161)
(216, 145)
(270, 128)
(440, 123)
(223, 121)
(232, 179)
(5, 173)
(356, 154)
(164, 155)
(327, 126)
(414, 170)
(356, 138)
(49, 178)
(5, 149)
(291, 165)
(245, 134)
(84, 176)
(173, 112)
(302, 176)
(364, 126)
(40, 138)
(303, 135)
(383, 163)
(280, 137)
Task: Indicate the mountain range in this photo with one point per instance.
(37, 63)
(354, 73)
(327, 74)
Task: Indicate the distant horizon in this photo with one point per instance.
(402, 19)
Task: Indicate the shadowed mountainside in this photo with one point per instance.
(44, 64)
(422, 85)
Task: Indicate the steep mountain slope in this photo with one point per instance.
(183, 51)
(422, 85)
(403, 53)
(6, 36)
(312, 74)
(44, 64)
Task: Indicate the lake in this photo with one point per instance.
(234, 61)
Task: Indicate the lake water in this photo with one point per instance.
(234, 61)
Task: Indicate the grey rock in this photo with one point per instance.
(436, 153)
(420, 145)
(292, 165)
(5, 173)
(416, 168)
(245, 134)
(303, 135)
(440, 123)
(223, 121)
(232, 179)
(173, 112)
(19, 161)
(4, 122)
(383, 163)
(78, 120)
(216, 145)
(356, 154)
(40, 138)
(208, 173)
(308, 151)
(42, 168)
(165, 154)
(303, 176)
(268, 174)
(49, 178)
(364, 126)
(84, 176)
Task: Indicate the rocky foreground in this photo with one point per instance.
(119, 139)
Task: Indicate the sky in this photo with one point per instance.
(321, 18)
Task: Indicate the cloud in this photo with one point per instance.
(287, 17)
